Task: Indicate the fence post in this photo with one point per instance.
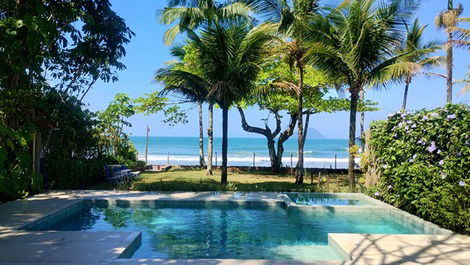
(335, 160)
(254, 159)
(215, 158)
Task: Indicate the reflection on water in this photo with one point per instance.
(313, 199)
(198, 231)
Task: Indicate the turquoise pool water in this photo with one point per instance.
(182, 230)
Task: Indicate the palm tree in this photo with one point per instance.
(192, 14)
(290, 19)
(448, 20)
(356, 42)
(189, 15)
(419, 56)
(177, 83)
(231, 55)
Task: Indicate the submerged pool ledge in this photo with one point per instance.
(106, 248)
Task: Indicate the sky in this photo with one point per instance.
(146, 53)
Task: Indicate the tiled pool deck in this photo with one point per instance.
(19, 247)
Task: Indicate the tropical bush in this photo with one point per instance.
(70, 154)
(423, 164)
(50, 48)
(17, 178)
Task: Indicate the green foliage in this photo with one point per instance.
(71, 146)
(49, 47)
(153, 103)
(16, 176)
(113, 119)
(424, 163)
(277, 75)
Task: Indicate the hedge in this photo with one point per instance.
(422, 160)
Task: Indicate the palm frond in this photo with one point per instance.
(270, 9)
(183, 83)
(170, 35)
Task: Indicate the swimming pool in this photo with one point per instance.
(224, 230)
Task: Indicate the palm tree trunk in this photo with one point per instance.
(306, 124)
(352, 136)
(405, 96)
(201, 138)
(449, 63)
(449, 59)
(299, 174)
(223, 176)
(362, 122)
(210, 146)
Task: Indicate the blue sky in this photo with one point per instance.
(146, 53)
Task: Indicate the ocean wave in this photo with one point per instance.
(247, 160)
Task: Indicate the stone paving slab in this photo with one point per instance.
(404, 249)
(19, 212)
(50, 247)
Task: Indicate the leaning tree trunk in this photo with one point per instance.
(299, 174)
(266, 132)
(201, 138)
(223, 175)
(362, 122)
(405, 95)
(352, 137)
(210, 144)
(449, 59)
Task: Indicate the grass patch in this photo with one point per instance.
(197, 180)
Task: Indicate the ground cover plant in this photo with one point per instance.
(197, 180)
(423, 164)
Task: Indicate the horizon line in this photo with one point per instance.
(296, 137)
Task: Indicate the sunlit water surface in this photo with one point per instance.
(235, 232)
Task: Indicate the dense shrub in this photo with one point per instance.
(71, 157)
(17, 179)
(423, 161)
(74, 150)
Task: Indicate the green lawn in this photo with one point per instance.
(197, 180)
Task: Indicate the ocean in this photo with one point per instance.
(319, 153)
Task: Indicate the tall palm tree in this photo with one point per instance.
(290, 18)
(231, 55)
(448, 20)
(190, 15)
(419, 56)
(174, 81)
(356, 42)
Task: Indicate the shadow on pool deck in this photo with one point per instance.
(406, 249)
